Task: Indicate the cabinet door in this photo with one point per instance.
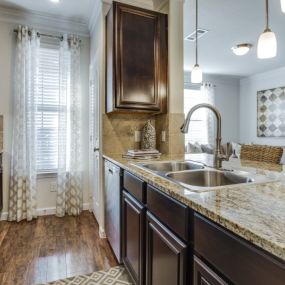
(133, 235)
(166, 255)
(137, 47)
(203, 275)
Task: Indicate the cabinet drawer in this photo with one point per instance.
(235, 258)
(171, 212)
(135, 186)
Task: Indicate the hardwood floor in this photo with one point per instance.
(52, 248)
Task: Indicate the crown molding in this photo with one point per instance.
(97, 9)
(160, 4)
(44, 21)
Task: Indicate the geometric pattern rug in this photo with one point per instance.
(114, 276)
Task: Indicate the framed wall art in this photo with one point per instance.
(271, 112)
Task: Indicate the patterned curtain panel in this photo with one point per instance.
(69, 182)
(22, 195)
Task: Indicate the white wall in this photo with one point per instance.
(46, 199)
(248, 104)
(6, 50)
(227, 102)
(97, 59)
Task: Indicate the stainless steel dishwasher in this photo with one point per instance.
(112, 206)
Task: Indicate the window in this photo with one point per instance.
(200, 125)
(48, 105)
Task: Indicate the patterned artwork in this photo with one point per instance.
(271, 112)
(114, 276)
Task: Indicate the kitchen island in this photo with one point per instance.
(254, 212)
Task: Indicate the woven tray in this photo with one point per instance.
(263, 153)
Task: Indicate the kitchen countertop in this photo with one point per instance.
(255, 212)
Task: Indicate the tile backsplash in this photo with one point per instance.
(170, 123)
(1, 133)
(118, 132)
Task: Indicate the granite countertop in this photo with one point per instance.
(255, 212)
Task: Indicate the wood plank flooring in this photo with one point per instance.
(52, 248)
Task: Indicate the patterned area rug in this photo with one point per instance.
(114, 276)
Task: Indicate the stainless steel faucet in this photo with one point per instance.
(218, 156)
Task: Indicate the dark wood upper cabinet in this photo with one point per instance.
(136, 55)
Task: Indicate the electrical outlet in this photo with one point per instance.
(53, 187)
(138, 136)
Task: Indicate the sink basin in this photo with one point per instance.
(171, 166)
(209, 178)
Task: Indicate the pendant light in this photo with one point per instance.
(196, 74)
(241, 49)
(267, 44)
(283, 6)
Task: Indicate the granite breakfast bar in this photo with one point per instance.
(254, 212)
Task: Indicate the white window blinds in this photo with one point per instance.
(47, 110)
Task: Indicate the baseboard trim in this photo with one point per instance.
(4, 216)
(102, 233)
(43, 212)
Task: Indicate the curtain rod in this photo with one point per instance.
(47, 35)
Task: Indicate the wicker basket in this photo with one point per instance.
(263, 153)
(262, 166)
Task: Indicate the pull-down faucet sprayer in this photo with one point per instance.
(218, 156)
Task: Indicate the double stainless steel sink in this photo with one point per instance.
(198, 177)
(171, 166)
(209, 178)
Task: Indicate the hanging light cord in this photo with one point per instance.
(196, 32)
(267, 15)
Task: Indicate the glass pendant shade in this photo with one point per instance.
(267, 45)
(196, 74)
(283, 6)
(241, 49)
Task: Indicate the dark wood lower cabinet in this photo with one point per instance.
(166, 255)
(166, 243)
(133, 235)
(239, 261)
(203, 275)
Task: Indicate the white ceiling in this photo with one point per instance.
(77, 10)
(231, 22)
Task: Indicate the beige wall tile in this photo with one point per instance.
(176, 144)
(175, 122)
(170, 123)
(118, 132)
